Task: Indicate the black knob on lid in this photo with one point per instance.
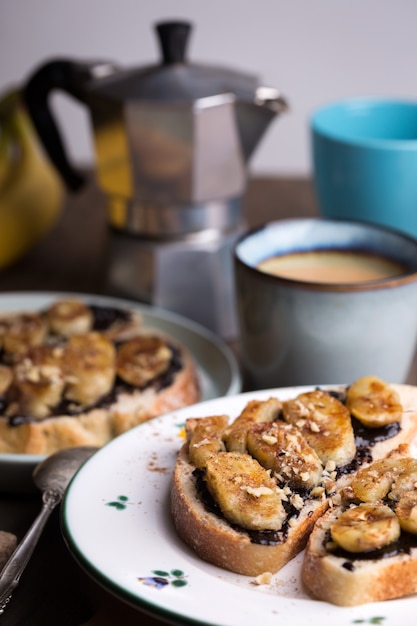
(173, 39)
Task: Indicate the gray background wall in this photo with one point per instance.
(315, 51)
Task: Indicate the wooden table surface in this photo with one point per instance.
(54, 591)
(73, 255)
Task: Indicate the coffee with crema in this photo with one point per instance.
(332, 266)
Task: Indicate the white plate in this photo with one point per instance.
(217, 367)
(117, 523)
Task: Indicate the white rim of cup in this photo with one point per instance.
(381, 283)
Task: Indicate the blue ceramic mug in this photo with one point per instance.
(297, 332)
(364, 153)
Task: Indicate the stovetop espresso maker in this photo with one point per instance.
(172, 144)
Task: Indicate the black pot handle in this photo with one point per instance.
(71, 77)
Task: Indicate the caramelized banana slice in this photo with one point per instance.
(405, 478)
(244, 491)
(325, 423)
(255, 412)
(23, 332)
(69, 317)
(406, 511)
(365, 527)
(373, 402)
(374, 482)
(205, 437)
(89, 361)
(39, 381)
(282, 448)
(141, 359)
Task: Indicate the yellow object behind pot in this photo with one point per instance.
(31, 191)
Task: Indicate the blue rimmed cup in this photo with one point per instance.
(294, 332)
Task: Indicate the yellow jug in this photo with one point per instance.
(31, 190)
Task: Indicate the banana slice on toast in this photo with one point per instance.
(89, 365)
(389, 477)
(406, 511)
(281, 447)
(205, 438)
(373, 402)
(325, 423)
(39, 382)
(245, 491)
(142, 359)
(365, 527)
(255, 412)
(69, 317)
(21, 332)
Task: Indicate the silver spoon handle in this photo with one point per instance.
(15, 566)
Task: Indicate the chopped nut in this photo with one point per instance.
(270, 439)
(282, 495)
(257, 491)
(302, 409)
(203, 442)
(330, 465)
(297, 501)
(263, 579)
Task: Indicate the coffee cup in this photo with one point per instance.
(315, 328)
(364, 157)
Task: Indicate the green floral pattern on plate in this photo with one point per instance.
(162, 579)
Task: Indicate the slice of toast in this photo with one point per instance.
(215, 540)
(78, 374)
(349, 581)
(374, 563)
(222, 540)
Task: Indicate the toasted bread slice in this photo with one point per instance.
(215, 540)
(365, 550)
(349, 581)
(76, 375)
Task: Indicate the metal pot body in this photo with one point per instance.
(192, 277)
(165, 168)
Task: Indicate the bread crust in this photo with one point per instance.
(327, 577)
